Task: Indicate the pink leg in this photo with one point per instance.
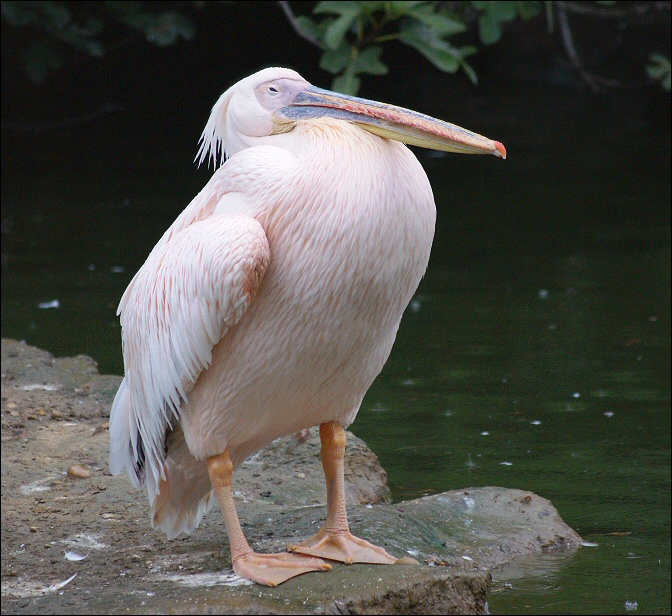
(334, 541)
(266, 569)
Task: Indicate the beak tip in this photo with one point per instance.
(501, 149)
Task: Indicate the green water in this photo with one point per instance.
(536, 354)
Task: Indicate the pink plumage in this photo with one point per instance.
(272, 302)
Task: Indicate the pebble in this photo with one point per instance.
(79, 471)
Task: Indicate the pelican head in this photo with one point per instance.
(274, 100)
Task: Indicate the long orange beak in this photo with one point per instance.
(388, 121)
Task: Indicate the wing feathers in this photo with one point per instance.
(185, 297)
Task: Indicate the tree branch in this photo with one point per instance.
(287, 10)
(594, 82)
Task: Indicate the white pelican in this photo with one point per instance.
(272, 302)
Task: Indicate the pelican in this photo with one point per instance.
(272, 302)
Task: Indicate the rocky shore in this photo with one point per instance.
(77, 540)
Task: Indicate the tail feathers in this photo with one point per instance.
(180, 500)
(126, 449)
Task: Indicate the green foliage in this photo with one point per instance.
(162, 29)
(62, 29)
(351, 33)
(659, 69)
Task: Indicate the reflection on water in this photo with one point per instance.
(536, 354)
(540, 575)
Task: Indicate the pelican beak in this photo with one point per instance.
(387, 121)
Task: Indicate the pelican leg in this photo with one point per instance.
(266, 569)
(334, 541)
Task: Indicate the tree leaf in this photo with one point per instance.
(335, 60)
(368, 61)
(399, 9)
(166, 28)
(336, 29)
(90, 46)
(442, 58)
(527, 9)
(438, 51)
(468, 50)
(371, 7)
(335, 34)
(347, 83)
(471, 73)
(488, 29)
(660, 70)
(310, 27)
(48, 15)
(442, 25)
(502, 11)
(337, 8)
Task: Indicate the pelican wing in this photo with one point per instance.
(189, 292)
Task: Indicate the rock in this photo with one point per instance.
(458, 536)
(78, 471)
(31, 368)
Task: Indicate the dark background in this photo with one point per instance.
(149, 104)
